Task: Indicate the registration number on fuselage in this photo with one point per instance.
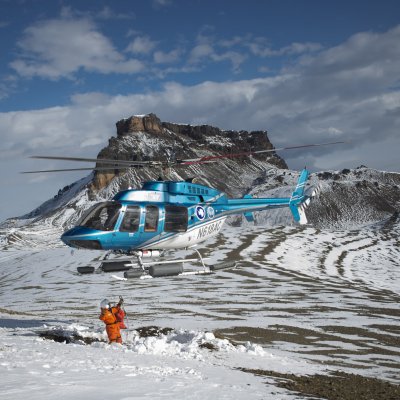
(210, 229)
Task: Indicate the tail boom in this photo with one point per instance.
(247, 205)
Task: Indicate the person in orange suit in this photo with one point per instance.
(111, 316)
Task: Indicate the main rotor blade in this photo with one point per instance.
(205, 159)
(77, 169)
(125, 164)
(100, 160)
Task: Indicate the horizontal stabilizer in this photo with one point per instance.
(249, 216)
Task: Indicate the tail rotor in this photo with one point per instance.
(300, 200)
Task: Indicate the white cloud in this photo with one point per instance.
(141, 45)
(235, 41)
(326, 98)
(91, 141)
(4, 91)
(261, 49)
(363, 48)
(161, 57)
(59, 48)
(106, 13)
(158, 4)
(234, 57)
(200, 52)
(241, 48)
(45, 52)
(204, 52)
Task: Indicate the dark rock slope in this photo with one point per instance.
(348, 198)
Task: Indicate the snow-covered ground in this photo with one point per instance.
(301, 301)
(170, 366)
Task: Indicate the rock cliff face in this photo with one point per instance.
(139, 123)
(141, 138)
(351, 198)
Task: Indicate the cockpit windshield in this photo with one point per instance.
(101, 217)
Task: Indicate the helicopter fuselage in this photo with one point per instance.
(168, 215)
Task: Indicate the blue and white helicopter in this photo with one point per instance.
(167, 215)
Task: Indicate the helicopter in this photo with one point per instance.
(167, 215)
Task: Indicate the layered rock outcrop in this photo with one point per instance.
(145, 137)
(139, 123)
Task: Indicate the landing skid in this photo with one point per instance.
(134, 267)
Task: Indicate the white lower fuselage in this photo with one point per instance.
(194, 235)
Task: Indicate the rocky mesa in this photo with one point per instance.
(145, 138)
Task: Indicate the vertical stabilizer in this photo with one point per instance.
(298, 201)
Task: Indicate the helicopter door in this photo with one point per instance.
(176, 219)
(127, 237)
(150, 229)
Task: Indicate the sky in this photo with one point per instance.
(305, 71)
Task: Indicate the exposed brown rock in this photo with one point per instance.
(102, 179)
(147, 123)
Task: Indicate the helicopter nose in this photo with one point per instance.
(81, 238)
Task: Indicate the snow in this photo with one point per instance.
(301, 301)
(169, 366)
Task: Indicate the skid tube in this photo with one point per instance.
(135, 267)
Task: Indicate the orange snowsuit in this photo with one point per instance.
(112, 324)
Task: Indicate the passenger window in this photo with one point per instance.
(151, 221)
(176, 219)
(131, 220)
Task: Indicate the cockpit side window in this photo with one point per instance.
(151, 221)
(131, 220)
(176, 219)
(102, 217)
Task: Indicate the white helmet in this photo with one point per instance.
(105, 304)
